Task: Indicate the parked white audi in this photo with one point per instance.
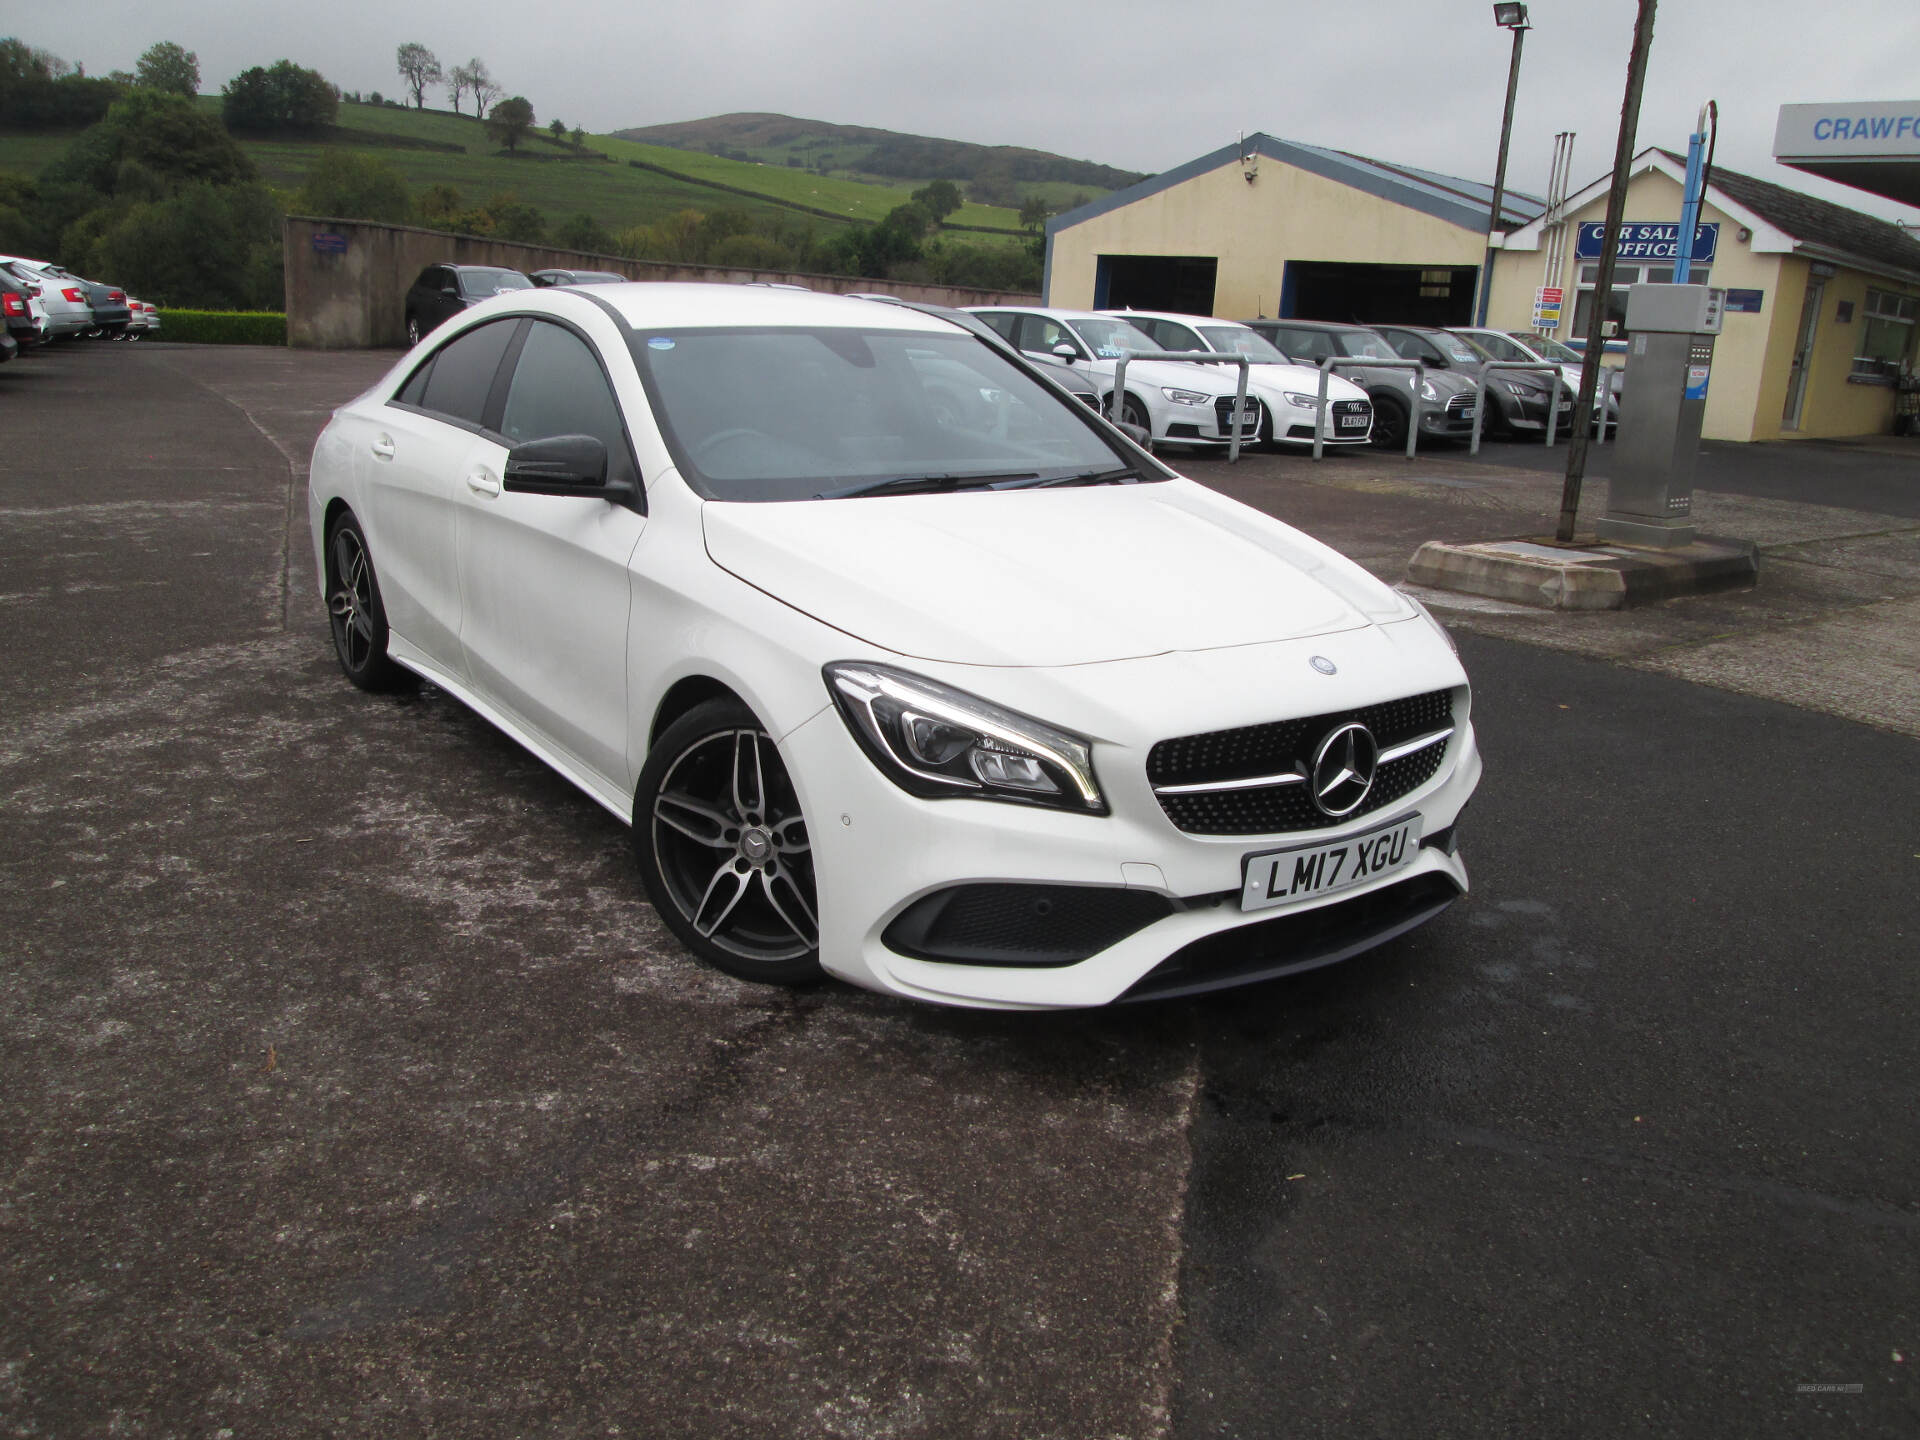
(902, 664)
(1177, 403)
(1289, 394)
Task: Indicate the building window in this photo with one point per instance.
(1623, 277)
(1886, 339)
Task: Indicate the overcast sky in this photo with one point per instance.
(1144, 84)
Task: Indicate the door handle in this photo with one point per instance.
(481, 483)
(383, 448)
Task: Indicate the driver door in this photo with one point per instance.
(543, 578)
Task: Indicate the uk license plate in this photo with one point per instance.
(1283, 877)
(1352, 422)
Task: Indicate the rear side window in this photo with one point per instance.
(1178, 337)
(559, 388)
(1305, 345)
(462, 373)
(1002, 324)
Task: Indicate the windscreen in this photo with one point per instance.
(1364, 345)
(1553, 350)
(1232, 340)
(481, 283)
(793, 414)
(1110, 339)
(1456, 349)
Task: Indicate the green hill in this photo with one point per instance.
(1007, 173)
(618, 181)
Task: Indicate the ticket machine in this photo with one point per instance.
(1662, 404)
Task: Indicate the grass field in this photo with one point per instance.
(616, 194)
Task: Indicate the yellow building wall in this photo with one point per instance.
(1744, 357)
(1833, 406)
(1254, 229)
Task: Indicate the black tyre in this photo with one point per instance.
(723, 847)
(358, 619)
(1390, 416)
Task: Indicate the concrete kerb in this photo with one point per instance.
(1590, 574)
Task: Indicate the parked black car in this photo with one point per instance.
(111, 313)
(443, 291)
(1446, 401)
(544, 278)
(1518, 401)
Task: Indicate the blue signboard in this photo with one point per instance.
(325, 242)
(1744, 302)
(1641, 240)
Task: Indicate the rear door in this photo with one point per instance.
(544, 585)
(413, 455)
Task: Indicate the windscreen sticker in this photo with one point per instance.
(660, 342)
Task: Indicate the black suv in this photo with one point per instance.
(443, 291)
(1518, 399)
(1445, 401)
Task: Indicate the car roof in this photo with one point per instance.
(1174, 315)
(1052, 312)
(649, 305)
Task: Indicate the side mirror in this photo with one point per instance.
(559, 465)
(447, 287)
(1435, 361)
(1066, 352)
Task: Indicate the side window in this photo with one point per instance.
(1305, 345)
(558, 388)
(415, 388)
(1179, 337)
(462, 373)
(1040, 333)
(1001, 323)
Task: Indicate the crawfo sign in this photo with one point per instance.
(1649, 240)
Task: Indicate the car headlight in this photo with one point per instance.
(1514, 389)
(1305, 402)
(1186, 397)
(1427, 392)
(1427, 615)
(941, 743)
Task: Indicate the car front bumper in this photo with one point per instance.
(879, 853)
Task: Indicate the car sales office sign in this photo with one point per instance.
(1643, 240)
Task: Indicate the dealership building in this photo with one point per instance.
(1821, 300)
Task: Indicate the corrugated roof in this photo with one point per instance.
(1445, 197)
(1817, 222)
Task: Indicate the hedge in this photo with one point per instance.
(223, 327)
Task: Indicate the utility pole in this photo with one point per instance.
(1603, 287)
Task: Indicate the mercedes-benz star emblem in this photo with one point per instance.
(1343, 769)
(1323, 665)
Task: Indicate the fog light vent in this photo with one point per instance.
(1021, 924)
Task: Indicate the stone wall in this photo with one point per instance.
(347, 279)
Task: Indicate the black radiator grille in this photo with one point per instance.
(1288, 745)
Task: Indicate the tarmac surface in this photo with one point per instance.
(353, 1088)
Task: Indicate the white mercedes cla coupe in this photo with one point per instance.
(903, 665)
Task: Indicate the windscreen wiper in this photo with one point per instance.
(1097, 477)
(922, 484)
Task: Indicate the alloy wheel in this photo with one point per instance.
(730, 847)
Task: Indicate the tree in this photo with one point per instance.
(509, 120)
(151, 133)
(579, 138)
(557, 128)
(585, 233)
(419, 68)
(284, 96)
(1034, 212)
(940, 199)
(168, 68)
(344, 185)
(458, 81)
(485, 92)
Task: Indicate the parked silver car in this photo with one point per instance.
(69, 312)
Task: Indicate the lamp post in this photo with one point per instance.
(1509, 17)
